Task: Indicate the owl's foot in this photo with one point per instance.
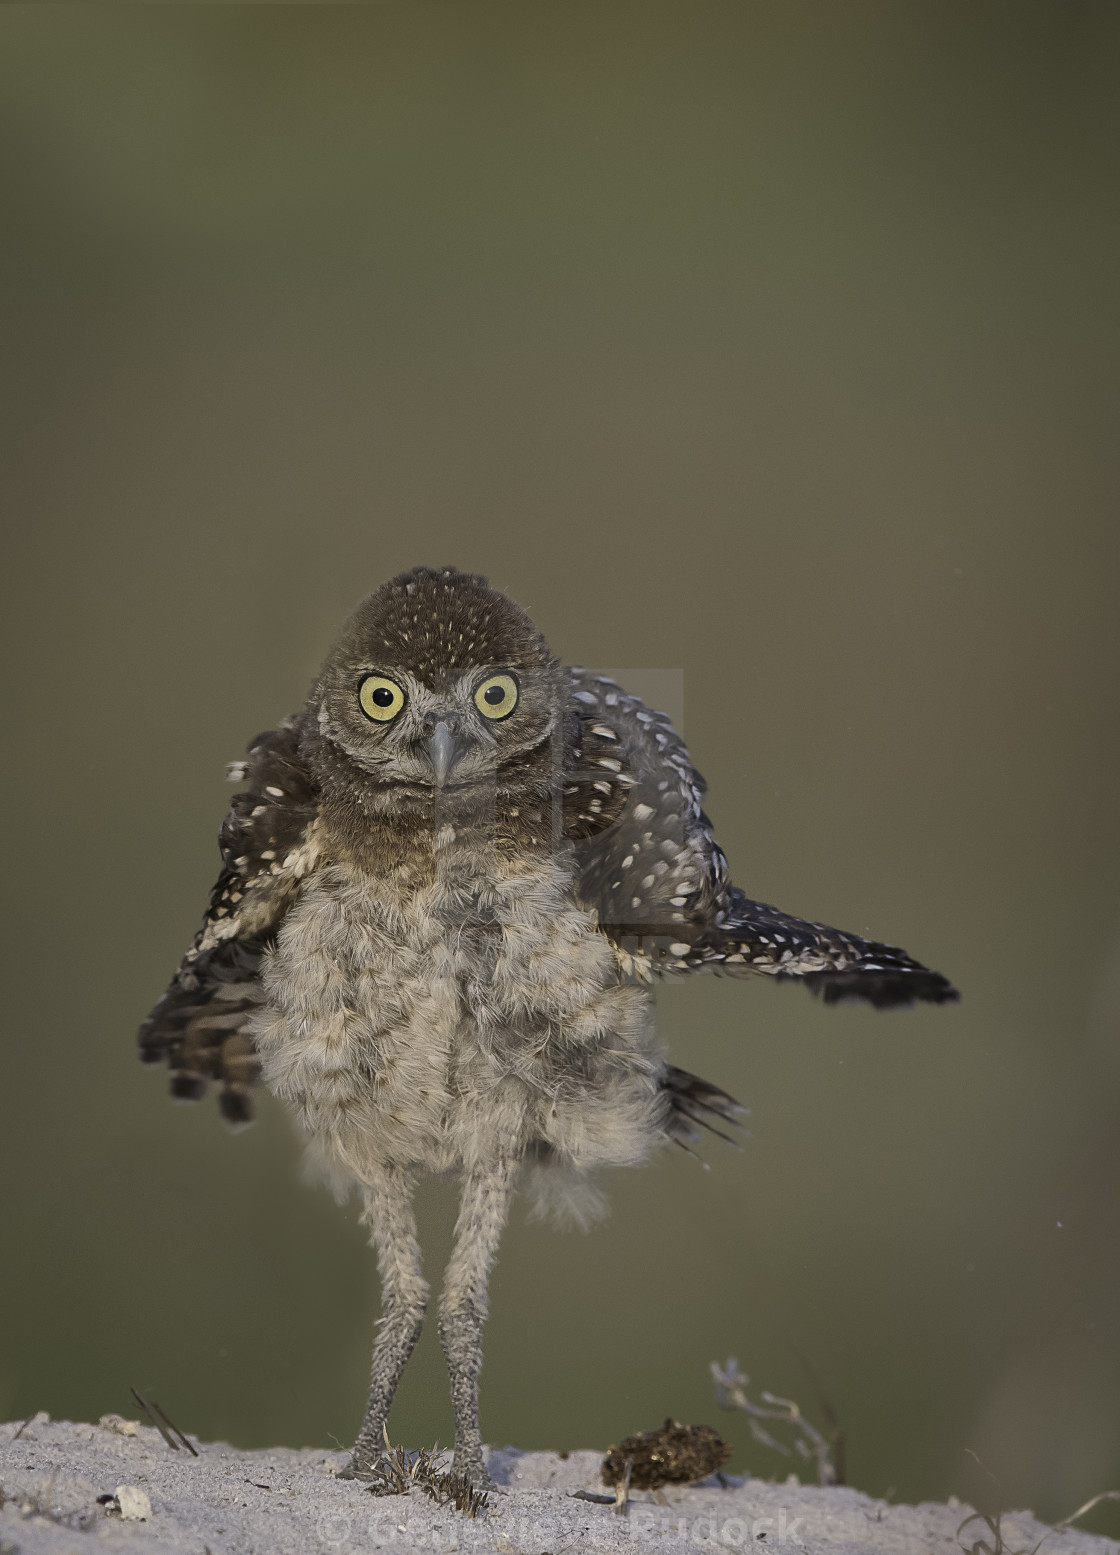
(468, 1462)
(358, 1468)
(365, 1456)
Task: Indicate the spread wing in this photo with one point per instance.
(268, 846)
(659, 882)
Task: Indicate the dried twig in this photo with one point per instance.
(807, 1441)
(836, 1438)
(166, 1428)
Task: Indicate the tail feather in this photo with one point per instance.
(693, 1103)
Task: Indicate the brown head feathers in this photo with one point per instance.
(436, 620)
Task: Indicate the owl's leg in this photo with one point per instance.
(462, 1308)
(404, 1298)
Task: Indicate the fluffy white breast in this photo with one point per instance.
(476, 1013)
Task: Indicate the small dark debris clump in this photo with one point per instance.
(675, 1455)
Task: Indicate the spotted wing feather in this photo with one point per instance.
(267, 843)
(659, 881)
(657, 868)
(597, 781)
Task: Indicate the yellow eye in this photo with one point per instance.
(497, 697)
(381, 699)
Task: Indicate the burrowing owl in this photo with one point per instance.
(445, 894)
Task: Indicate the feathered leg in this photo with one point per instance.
(482, 1215)
(404, 1299)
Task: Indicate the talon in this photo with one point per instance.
(356, 1470)
(474, 1472)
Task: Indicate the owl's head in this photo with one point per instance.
(438, 683)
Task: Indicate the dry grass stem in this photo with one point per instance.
(997, 1546)
(1104, 1495)
(400, 1470)
(806, 1440)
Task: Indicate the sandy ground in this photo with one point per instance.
(78, 1488)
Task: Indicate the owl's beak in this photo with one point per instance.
(442, 750)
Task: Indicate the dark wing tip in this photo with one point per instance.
(886, 990)
(236, 1107)
(153, 1050)
(186, 1086)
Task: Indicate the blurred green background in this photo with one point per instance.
(771, 343)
